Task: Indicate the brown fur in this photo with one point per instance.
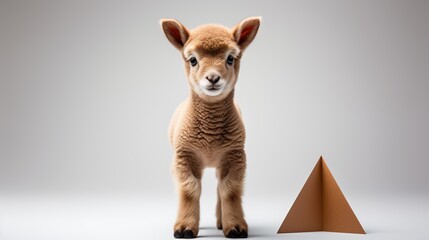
(207, 131)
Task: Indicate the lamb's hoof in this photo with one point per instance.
(236, 233)
(184, 234)
(178, 234)
(219, 226)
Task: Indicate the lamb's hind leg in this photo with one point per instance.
(218, 209)
(188, 173)
(231, 177)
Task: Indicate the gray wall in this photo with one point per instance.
(87, 89)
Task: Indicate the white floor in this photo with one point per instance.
(55, 217)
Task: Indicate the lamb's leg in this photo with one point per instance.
(232, 171)
(218, 210)
(188, 173)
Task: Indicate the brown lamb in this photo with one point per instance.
(206, 129)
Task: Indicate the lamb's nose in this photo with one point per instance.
(213, 78)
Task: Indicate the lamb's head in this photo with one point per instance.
(211, 54)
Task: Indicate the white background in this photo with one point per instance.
(87, 90)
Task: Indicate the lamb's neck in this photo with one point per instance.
(212, 112)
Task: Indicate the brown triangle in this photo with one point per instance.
(321, 206)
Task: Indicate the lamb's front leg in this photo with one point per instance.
(231, 176)
(188, 172)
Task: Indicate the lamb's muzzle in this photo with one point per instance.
(213, 78)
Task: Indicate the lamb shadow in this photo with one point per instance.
(213, 232)
(209, 228)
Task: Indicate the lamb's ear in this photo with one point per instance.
(245, 31)
(175, 32)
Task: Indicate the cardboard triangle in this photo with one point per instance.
(321, 206)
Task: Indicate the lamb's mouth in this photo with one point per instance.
(214, 88)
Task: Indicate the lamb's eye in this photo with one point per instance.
(230, 60)
(193, 61)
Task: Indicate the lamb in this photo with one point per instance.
(206, 129)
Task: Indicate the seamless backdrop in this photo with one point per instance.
(87, 89)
